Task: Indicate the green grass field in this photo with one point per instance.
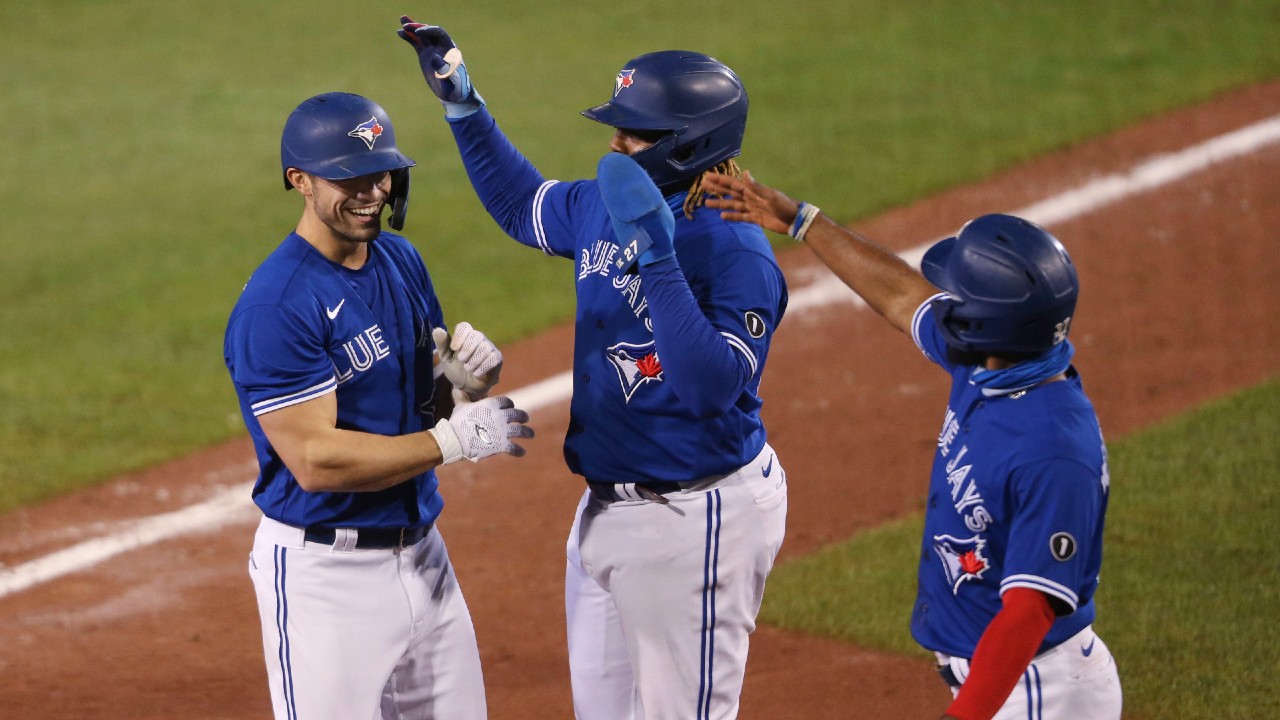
(1190, 579)
(141, 176)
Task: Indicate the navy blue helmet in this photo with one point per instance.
(693, 104)
(339, 136)
(1011, 286)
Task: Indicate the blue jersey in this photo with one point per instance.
(667, 362)
(1017, 498)
(305, 326)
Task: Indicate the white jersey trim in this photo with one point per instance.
(918, 316)
(315, 391)
(1045, 586)
(736, 343)
(540, 230)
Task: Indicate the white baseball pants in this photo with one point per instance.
(377, 633)
(660, 599)
(1076, 679)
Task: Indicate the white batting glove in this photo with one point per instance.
(469, 359)
(480, 429)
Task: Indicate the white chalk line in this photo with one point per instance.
(223, 507)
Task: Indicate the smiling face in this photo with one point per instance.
(341, 215)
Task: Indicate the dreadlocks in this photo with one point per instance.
(697, 195)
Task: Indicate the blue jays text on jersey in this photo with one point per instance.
(667, 361)
(1017, 498)
(305, 326)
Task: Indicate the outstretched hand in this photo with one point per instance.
(442, 66)
(746, 200)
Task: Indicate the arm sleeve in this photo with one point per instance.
(508, 185)
(710, 360)
(1006, 648)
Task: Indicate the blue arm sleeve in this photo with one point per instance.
(704, 370)
(504, 180)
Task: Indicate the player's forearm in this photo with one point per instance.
(889, 285)
(704, 371)
(352, 461)
(1007, 646)
(504, 180)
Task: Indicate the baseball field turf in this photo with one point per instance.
(141, 181)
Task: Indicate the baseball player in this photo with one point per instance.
(685, 502)
(1013, 524)
(330, 348)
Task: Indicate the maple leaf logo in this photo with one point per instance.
(971, 563)
(637, 365)
(962, 558)
(649, 366)
(624, 80)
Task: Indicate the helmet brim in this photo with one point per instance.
(614, 116)
(354, 166)
(936, 262)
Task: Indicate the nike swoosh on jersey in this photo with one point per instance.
(1087, 650)
(334, 312)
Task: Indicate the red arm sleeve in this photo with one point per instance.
(1003, 653)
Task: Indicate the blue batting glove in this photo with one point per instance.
(442, 66)
(641, 218)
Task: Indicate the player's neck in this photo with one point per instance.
(344, 251)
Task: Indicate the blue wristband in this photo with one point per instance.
(805, 216)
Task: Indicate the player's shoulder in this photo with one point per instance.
(292, 274)
(709, 236)
(1055, 420)
(393, 243)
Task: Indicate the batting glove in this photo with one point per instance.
(641, 219)
(442, 66)
(480, 429)
(469, 359)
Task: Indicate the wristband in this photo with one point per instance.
(805, 215)
(447, 439)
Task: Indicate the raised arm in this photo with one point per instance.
(889, 285)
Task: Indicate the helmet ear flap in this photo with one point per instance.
(398, 197)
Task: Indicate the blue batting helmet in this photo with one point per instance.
(697, 104)
(338, 136)
(1011, 286)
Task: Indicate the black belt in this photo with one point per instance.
(371, 538)
(649, 490)
(948, 676)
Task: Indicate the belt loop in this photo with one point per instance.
(344, 540)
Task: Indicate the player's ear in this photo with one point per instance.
(300, 180)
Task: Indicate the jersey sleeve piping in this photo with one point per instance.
(1045, 586)
(539, 229)
(315, 391)
(918, 317)
(736, 343)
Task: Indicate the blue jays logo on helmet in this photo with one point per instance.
(636, 365)
(624, 80)
(961, 559)
(369, 131)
